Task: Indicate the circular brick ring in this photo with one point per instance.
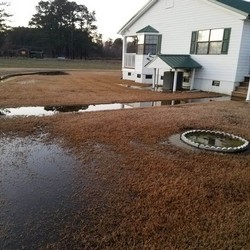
(235, 143)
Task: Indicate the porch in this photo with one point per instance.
(179, 71)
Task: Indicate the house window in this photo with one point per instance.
(216, 83)
(138, 75)
(129, 73)
(148, 76)
(148, 44)
(213, 41)
(131, 42)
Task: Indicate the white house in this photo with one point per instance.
(199, 44)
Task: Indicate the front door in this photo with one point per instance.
(179, 81)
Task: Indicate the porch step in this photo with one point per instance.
(240, 93)
(244, 84)
(242, 89)
(247, 78)
(238, 96)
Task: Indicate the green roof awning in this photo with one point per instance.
(148, 29)
(180, 61)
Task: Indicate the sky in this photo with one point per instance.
(111, 15)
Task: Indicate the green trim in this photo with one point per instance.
(148, 29)
(225, 42)
(193, 42)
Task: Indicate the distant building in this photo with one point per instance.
(22, 52)
(25, 52)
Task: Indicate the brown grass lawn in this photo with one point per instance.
(143, 192)
(79, 87)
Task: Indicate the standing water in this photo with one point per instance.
(52, 110)
(35, 192)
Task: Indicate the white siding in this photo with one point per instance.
(244, 56)
(206, 85)
(140, 62)
(176, 24)
(128, 74)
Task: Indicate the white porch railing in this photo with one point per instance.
(129, 60)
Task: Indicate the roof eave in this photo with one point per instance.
(137, 16)
(193, 66)
(244, 14)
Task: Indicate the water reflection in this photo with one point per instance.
(65, 109)
(51, 110)
(25, 111)
(216, 140)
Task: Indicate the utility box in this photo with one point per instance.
(168, 80)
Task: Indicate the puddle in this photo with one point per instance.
(52, 73)
(47, 72)
(35, 190)
(52, 110)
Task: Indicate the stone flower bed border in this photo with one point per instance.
(241, 148)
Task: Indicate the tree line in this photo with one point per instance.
(59, 28)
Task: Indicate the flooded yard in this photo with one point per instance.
(52, 110)
(35, 189)
(114, 179)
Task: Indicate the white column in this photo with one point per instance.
(157, 79)
(175, 80)
(192, 80)
(248, 92)
(154, 78)
(124, 49)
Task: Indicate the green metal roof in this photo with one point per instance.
(237, 4)
(180, 61)
(148, 29)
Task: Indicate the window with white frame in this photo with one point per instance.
(148, 44)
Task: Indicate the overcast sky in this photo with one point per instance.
(111, 15)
